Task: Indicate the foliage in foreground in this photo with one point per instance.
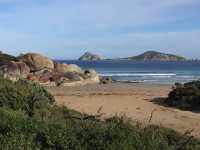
(24, 96)
(19, 132)
(185, 96)
(60, 128)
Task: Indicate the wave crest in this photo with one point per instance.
(137, 74)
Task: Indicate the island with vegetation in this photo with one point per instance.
(90, 57)
(156, 56)
(146, 56)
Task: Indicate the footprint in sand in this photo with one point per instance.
(138, 108)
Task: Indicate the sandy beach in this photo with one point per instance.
(136, 100)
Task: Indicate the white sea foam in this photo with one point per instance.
(137, 74)
(136, 81)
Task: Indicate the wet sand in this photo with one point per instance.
(135, 100)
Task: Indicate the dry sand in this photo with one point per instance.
(136, 101)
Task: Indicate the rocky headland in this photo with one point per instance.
(156, 56)
(38, 68)
(90, 57)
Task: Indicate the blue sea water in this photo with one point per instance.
(144, 71)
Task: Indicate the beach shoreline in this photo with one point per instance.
(134, 100)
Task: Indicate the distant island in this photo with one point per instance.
(153, 55)
(146, 56)
(90, 57)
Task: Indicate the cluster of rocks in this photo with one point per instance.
(38, 68)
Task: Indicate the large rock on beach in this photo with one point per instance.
(63, 68)
(44, 75)
(36, 61)
(15, 70)
(92, 75)
(55, 77)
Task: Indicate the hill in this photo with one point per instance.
(153, 55)
(90, 57)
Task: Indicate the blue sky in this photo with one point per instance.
(64, 29)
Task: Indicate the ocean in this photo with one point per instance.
(144, 71)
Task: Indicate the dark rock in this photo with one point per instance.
(32, 77)
(60, 82)
(106, 80)
(43, 72)
(55, 77)
(15, 70)
(90, 73)
(43, 75)
(44, 79)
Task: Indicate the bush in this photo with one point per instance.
(185, 96)
(18, 132)
(24, 96)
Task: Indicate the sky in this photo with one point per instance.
(65, 29)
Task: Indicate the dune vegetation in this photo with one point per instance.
(29, 119)
(185, 96)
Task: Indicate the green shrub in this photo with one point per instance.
(17, 131)
(24, 96)
(185, 96)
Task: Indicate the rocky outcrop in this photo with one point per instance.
(63, 68)
(35, 67)
(36, 62)
(153, 55)
(90, 57)
(74, 68)
(55, 77)
(43, 75)
(92, 75)
(15, 70)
